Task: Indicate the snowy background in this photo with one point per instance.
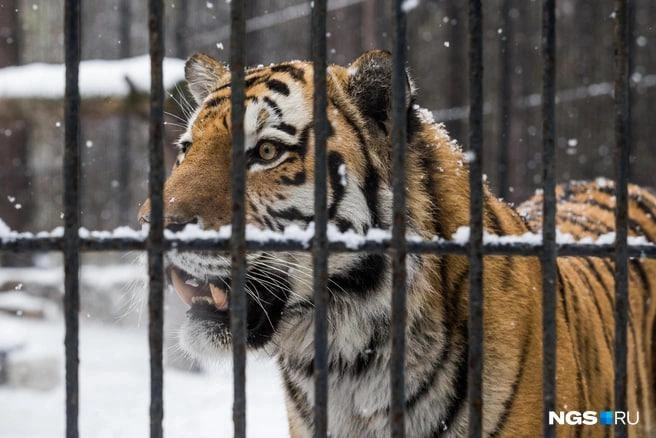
(114, 81)
(114, 369)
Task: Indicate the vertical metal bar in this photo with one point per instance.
(155, 244)
(124, 146)
(72, 47)
(475, 333)
(505, 94)
(549, 212)
(320, 242)
(238, 235)
(398, 250)
(622, 150)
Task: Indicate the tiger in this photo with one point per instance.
(279, 149)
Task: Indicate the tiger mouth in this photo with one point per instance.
(197, 293)
(209, 307)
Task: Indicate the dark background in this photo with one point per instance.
(115, 168)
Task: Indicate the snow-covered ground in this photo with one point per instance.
(114, 388)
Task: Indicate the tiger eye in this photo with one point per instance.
(267, 151)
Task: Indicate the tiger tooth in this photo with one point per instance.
(202, 299)
(220, 297)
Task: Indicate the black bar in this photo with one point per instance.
(622, 151)
(475, 323)
(155, 242)
(548, 256)
(518, 249)
(320, 241)
(238, 235)
(505, 94)
(72, 47)
(398, 249)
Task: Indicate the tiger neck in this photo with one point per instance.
(359, 321)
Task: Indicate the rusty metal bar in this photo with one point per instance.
(548, 256)
(475, 253)
(238, 235)
(71, 247)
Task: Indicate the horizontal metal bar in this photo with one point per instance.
(37, 244)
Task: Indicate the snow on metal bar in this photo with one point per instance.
(294, 238)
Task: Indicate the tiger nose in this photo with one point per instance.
(171, 223)
(175, 224)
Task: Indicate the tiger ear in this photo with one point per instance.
(204, 74)
(370, 86)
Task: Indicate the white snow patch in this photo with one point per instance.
(114, 388)
(9, 235)
(469, 156)
(409, 5)
(461, 236)
(108, 276)
(98, 78)
(117, 233)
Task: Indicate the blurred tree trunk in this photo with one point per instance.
(15, 179)
(9, 33)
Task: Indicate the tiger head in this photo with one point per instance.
(279, 189)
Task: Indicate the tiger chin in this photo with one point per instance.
(279, 192)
